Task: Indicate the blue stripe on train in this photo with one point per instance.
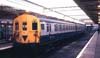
(51, 38)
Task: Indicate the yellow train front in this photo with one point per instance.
(26, 30)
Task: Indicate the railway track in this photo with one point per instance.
(71, 48)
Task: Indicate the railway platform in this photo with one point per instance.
(4, 46)
(92, 48)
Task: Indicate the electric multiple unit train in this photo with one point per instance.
(29, 29)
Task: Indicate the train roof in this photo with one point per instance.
(51, 20)
(48, 18)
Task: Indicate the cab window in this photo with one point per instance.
(16, 26)
(34, 26)
(24, 26)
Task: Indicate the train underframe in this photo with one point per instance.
(49, 39)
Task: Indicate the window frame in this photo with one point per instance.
(24, 25)
(42, 26)
(36, 25)
(16, 26)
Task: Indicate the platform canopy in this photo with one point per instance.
(90, 7)
(63, 9)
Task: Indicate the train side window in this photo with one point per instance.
(50, 27)
(47, 27)
(63, 27)
(55, 27)
(66, 27)
(59, 27)
(34, 26)
(24, 26)
(16, 26)
(42, 26)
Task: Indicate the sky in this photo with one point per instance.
(71, 9)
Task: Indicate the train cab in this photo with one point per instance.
(26, 29)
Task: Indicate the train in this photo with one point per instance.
(32, 30)
(5, 29)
